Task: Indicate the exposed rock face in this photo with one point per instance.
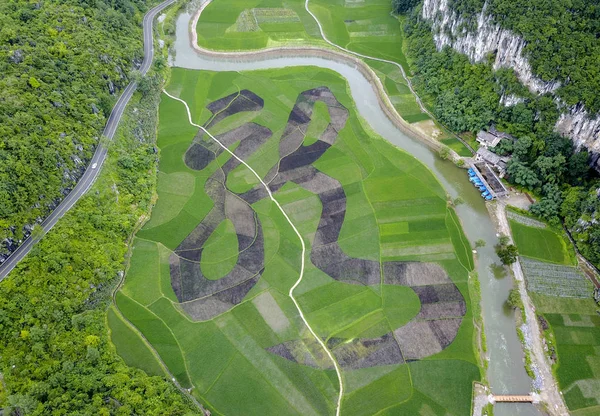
(477, 41)
(584, 130)
(451, 29)
(510, 99)
(17, 57)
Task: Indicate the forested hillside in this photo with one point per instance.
(56, 355)
(562, 41)
(63, 63)
(467, 97)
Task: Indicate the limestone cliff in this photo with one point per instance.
(480, 36)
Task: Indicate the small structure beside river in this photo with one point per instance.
(489, 139)
(498, 162)
(489, 179)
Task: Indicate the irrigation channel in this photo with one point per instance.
(506, 372)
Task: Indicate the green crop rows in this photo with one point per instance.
(575, 333)
(540, 243)
(555, 280)
(254, 24)
(524, 219)
(365, 27)
(396, 211)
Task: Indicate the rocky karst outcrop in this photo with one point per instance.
(584, 130)
(449, 28)
(480, 36)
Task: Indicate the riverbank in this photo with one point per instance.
(322, 52)
(544, 379)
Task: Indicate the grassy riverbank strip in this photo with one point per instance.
(565, 309)
(367, 32)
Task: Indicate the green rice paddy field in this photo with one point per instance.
(396, 211)
(573, 323)
(363, 26)
(575, 333)
(542, 244)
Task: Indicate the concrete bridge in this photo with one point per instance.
(512, 398)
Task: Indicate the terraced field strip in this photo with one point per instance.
(360, 55)
(291, 291)
(555, 280)
(525, 220)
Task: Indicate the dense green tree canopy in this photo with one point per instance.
(62, 64)
(507, 253)
(562, 40)
(59, 61)
(402, 6)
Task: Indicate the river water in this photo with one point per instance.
(506, 372)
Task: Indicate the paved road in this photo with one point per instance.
(91, 172)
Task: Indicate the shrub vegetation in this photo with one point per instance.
(56, 356)
(63, 64)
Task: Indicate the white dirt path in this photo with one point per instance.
(396, 64)
(291, 292)
(360, 55)
(549, 390)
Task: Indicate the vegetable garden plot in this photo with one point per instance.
(555, 280)
(275, 15)
(525, 220)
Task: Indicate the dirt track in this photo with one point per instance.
(549, 390)
(325, 53)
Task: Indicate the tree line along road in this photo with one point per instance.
(95, 164)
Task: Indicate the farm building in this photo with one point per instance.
(489, 179)
(486, 139)
(489, 139)
(497, 161)
(500, 134)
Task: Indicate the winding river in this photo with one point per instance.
(506, 373)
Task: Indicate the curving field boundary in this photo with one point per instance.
(301, 276)
(343, 56)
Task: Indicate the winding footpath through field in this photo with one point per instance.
(95, 164)
(301, 276)
(360, 55)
